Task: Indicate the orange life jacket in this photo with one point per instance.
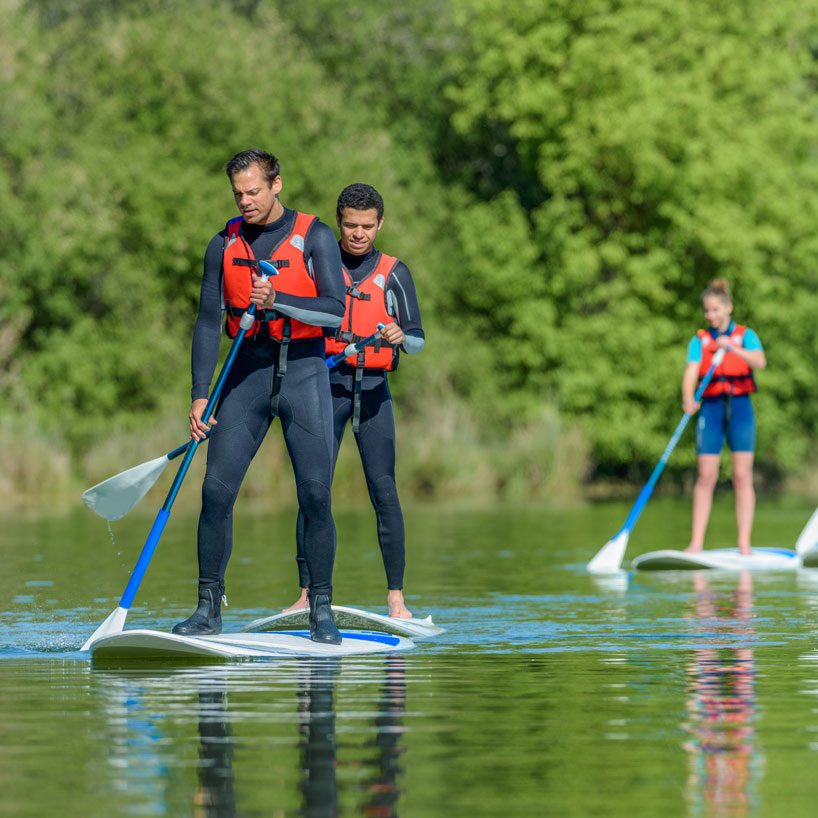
(365, 308)
(293, 278)
(734, 375)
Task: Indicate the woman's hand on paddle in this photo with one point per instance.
(690, 406)
(262, 295)
(689, 381)
(198, 429)
(393, 334)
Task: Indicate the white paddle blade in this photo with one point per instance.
(113, 624)
(115, 497)
(609, 558)
(808, 538)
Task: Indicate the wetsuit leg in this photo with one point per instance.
(710, 426)
(243, 419)
(305, 410)
(376, 444)
(741, 429)
(341, 390)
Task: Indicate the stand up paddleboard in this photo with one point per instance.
(350, 618)
(725, 559)
(144, 645)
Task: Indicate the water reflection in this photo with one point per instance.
(382, 789)
(215, 796)
(292, 712)
(318, 748)
(723, 755)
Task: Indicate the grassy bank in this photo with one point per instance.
(444, 453)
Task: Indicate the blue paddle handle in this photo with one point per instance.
(336, 359)
(647, 489)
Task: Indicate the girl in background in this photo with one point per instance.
(725, 410)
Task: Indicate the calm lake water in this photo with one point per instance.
(551, 692)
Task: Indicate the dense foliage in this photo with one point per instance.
(563, 179)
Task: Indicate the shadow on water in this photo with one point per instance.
(142, 710)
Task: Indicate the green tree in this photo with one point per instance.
(642, 149)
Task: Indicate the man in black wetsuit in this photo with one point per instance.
(279, 371)
(379, 289)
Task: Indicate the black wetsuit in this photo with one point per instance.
(376, 432)
(245, 413)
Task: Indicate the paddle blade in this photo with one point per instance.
(608, 559)
(115, 497)
(808, 538)
(113, 624)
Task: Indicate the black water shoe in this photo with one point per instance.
(207, 618)
(322, 623)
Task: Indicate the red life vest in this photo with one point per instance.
(293, 278)
(365, 308)
(734, 375)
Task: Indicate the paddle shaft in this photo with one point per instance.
(647, 489)
(336, 359)
(247, 322)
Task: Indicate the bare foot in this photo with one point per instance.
(693, 549)
(747, 551)
(302, 603)
(397, 608)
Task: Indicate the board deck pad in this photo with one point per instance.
(727, 559)
(349, 618)
(142, 644)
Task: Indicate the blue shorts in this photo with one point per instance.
(722, 416)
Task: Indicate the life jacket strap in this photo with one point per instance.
(252, 262)
(351, 338)
(261, 315)
(356, 392)
(354, 292)
(281, 368)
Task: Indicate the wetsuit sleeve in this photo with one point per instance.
(327, 308)
(402, 300)
(751, 341)
(694, 350)
(208, 330)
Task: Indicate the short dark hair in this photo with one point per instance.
(360, 197)
(266, 161)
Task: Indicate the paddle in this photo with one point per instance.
(808, 538)
(113, 498)
(609, 558)
(351, 349)
(116, 619)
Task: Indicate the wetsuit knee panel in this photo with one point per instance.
(314, 497)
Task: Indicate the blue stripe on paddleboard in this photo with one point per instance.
(361, 636)
(787, 552)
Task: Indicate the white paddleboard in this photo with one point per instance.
(148, 644)
(726, 559)
(351, 619)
